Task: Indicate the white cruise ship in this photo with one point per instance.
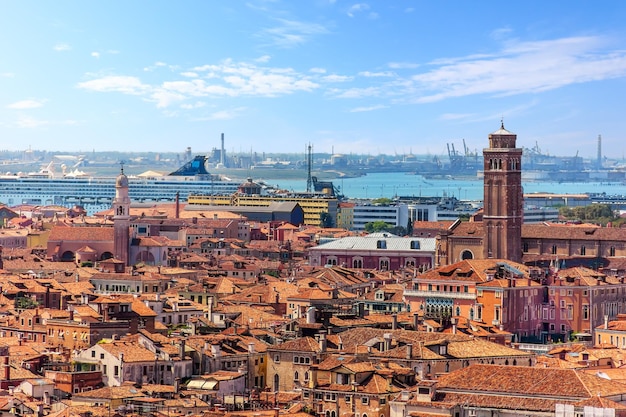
(96, 193)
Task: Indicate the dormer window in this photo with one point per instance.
(415, 244)
(381, 244)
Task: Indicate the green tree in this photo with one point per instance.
(377, 226)
(383, 201)
(326, 220)
(595, 213)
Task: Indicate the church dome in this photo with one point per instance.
(121, 181)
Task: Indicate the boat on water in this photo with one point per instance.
(95, 193)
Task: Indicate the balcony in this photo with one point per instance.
(440, 294)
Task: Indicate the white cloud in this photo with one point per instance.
(26, 104)
(334, 78)
(357, 92)
(165, 98)
(227, 79)
(318, 70)
(263, 59)
(402, 65)
(357, 8)
(154, 66)
(191, 106)
(501, 33)
(369, 108)
(291, 33)
(522, 67)
(7, 74)
(224, 115)
(95, 55)
(376, 74)
(122, 84)
(61, 47)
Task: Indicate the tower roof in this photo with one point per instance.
(502, 130)
(122, 180)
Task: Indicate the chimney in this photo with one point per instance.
(177, 212)
(216, 350)
(7, 368)
(416, 321)
(310, 315)
(394, 322)
(251, 347)
(182, 349)
(387, 337)
(453, 322)
(606, 321)
(409, 351)
(322, 340)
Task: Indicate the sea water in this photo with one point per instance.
(400, 184)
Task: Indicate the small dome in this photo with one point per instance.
(121, 181)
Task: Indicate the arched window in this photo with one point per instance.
(296, 376)
(276, 382)
(467, 254)
(306, 376)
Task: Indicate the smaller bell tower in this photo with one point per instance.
(121, 218)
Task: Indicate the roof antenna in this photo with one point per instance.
(502, 122)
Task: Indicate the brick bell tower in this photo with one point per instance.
(503, 197)
(121, 218)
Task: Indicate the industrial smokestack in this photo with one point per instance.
(599, 161)
(222, 152)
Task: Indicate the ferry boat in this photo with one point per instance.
(95, 193)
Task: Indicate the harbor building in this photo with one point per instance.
(314, 206)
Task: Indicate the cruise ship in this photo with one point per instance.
(94, 194)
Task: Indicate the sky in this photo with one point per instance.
(371, 77)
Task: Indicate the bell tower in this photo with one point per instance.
(503, 197)
(121, 218)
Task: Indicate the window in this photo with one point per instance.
(276, 358)
(296, 376)
(93, 353)
(612, 251)
(365, 400)
(415, 244)
(116, 370)
(583, 250)
(381, 244)
(554, 249)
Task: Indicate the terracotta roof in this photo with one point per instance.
(530, 381)
(303, 344)
(81, 234)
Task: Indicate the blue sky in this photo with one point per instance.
(349, 77)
